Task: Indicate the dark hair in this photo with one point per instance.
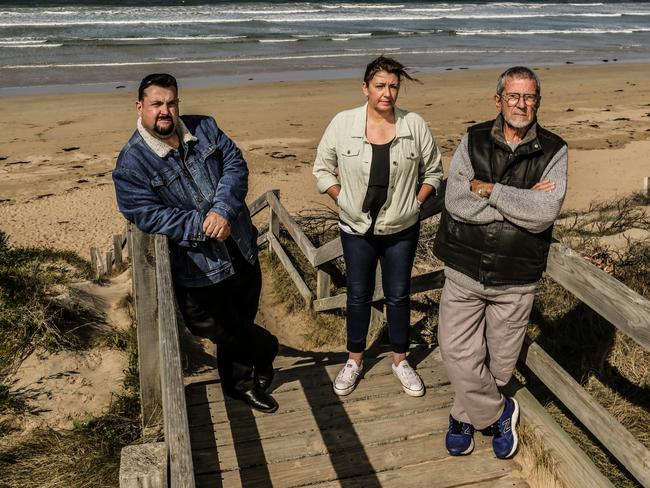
(159, 79)
(389, 65)
(518, 72)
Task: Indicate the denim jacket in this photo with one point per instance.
(161, 194)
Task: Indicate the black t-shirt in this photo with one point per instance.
(378, 182)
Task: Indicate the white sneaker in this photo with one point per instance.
(410, 380)
(346, 380)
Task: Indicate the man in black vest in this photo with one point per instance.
(506, 185)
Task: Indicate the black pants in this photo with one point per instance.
(225, 314)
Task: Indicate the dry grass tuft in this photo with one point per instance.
(537, 463)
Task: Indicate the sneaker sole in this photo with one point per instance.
(345, 391)
(515, 419)
(465, 452)
(409, 392)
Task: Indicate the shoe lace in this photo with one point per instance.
(494, 429)
(456, 426)
(347, 373)
(408, 373)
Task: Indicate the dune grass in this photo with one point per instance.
(37, 313)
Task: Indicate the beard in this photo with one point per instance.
(164, 131)
(519, 123)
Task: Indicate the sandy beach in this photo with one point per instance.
(59, 150)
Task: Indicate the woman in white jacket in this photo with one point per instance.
(379, 163)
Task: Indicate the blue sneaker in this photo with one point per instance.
(459, 440)
(504, 442)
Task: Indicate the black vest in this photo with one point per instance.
(500, 253)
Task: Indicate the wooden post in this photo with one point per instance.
(129, 239)
(144, 466)
(109, 263)
(177, 430)
(274, 227)
(96, 262)
(323, 280)
(146, 313)
(646, 186)
(117, 251)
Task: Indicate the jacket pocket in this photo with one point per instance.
(167, 184)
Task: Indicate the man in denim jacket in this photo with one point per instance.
(184, 178)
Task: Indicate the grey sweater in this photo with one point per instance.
(533, 210)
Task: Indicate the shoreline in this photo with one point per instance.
(55, 170)
(200, 78)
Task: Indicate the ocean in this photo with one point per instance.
(57, 44)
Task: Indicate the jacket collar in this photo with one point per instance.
(498, 137)
(359, 123)
(160, 148)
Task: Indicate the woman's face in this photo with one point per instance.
(382, 91)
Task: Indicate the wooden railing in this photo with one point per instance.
(162, 390)
(161, 381)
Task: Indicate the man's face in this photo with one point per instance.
(159, 111)
(521, 114)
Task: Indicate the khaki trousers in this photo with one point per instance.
(480, 339)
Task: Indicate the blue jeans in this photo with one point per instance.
(396, 254)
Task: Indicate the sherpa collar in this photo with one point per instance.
(159, 147)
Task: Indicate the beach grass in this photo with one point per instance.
(86, 456)
(39, 312)
(34, 311)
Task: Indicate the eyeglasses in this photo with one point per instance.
(512, 99)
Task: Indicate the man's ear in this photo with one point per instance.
(138, 107)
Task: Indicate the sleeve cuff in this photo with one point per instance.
(224, 210)
(326, 182)
(434, 182)
(495, 195)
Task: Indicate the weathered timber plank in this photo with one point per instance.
(328, 252)
(298, 400)
(262, 239)
(118, 243)
(291, 270)
(146, 316)
(481, 470)
(144, 466)
(426, 281)
(288, 358)
(177, 433)
(296, 232)
(323, 281)
(626, 309)
(260, 203)
(329, 467)
(319, 442)
(618, 440)
(572, 464)
(95, 262)
(109, 262)
(377, 371)
(303, 419)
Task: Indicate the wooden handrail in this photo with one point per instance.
(623, 307)
(177, 430)
(609, 431)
